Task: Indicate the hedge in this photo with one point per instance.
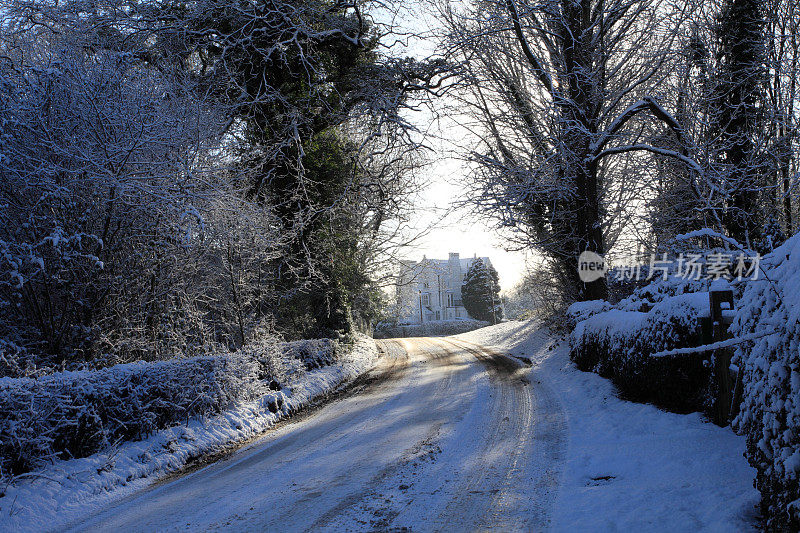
(769, 313)
(619, 344)
(75, 414)
(430, 329)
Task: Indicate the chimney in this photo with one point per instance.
(454, 266)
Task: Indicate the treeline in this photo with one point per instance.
(178, 177)
(616, 126)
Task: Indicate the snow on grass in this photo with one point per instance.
(630, 466)
(70, 489)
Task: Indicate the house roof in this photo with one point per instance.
(465, 261)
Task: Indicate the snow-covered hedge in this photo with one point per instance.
(66, 490)
(430, 329)
(580, 311)
(314, 353)
(769, 310)
(75, 414)
(618, 344)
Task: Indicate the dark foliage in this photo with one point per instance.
(481, 292)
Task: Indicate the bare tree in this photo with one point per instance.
(554, 89)
(734, 94)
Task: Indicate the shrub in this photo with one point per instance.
(619, 344)
(313, 353)
(770, 410)
(75, 414)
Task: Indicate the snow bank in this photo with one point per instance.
(769, 312)
(618, 344)
(580, 311)
(630, 466)
(66, 489)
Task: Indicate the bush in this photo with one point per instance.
(313, 353)
(75, 414)
(619, 344)
(770, 410)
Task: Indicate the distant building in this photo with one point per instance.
(430, 290)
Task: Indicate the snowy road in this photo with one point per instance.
(444, 435)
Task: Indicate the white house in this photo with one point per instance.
(430, 290)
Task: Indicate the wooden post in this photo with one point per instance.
(722, 357)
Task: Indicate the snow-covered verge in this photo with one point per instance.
(67, 489)
(631, 466)
(769, 310)
(430, 329)
(618, 343)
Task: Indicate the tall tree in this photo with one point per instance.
(735, 96)
(554, 86)
(783, 102)
(481, 292)
(295, 76)
(738, 117)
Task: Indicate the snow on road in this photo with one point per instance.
(629, 466)
(446, 439)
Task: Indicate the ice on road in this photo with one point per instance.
(445, 435)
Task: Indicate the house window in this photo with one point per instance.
(426, 299)
(438, 315)
(426, 285)
(449, 300)
(458, 312)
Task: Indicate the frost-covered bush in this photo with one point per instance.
(619, 344)
(595, 340)
(430, 329)
(122, 237)
(313, 353)
(660, 289)
(769, 313)
(276, 362)
(580, 311)
(75, 414)
(16, 361)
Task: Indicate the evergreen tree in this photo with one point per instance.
(736, 102)
(481, 292)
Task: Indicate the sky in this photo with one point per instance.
(445, 178)
(455, 230)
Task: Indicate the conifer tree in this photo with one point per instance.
(481, 292)
(736, 104)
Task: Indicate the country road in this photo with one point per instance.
(443, 435)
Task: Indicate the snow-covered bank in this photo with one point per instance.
(69, 489)
(629, 466)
